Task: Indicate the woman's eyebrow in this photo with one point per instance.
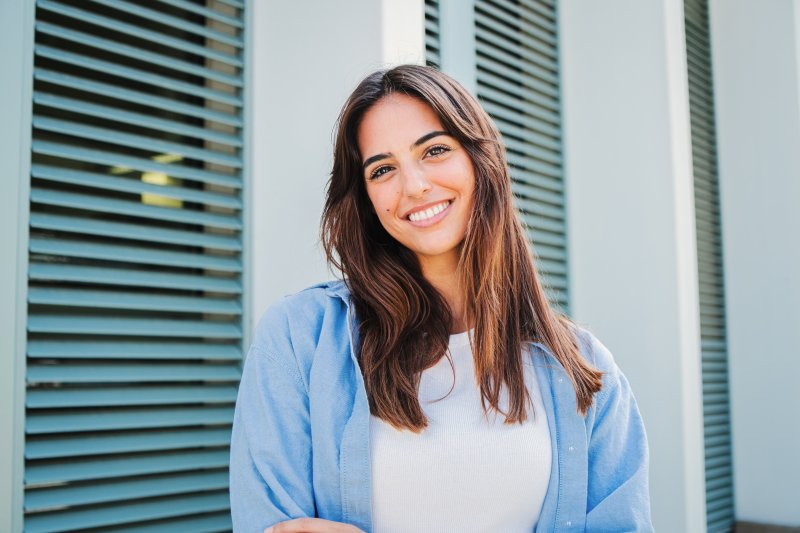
(426, 137)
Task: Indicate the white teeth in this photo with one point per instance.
(430, 212)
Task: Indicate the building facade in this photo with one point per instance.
(164, 166)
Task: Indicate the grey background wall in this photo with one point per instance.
(756, 55)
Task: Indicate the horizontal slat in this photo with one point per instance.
(105, 275)
(550, 121)
(86, 349)
(152, 327)
(128, 95)
(125, 300)
(139, 142)
(136, 119)
(105, 443)
(80, 519)
(516, 22)
(130, 373)
(39, 473)
(138, 31)
(521, 93)
(160, 17)
(128, 396)
(136, 209)
(129, 489)
(63, 496)
(133, 185)
(197, 523)
(138, 54)
(208, 13)
(134, 163)
(133, 231)
(130, 254)
(136, 75)
(114, 419)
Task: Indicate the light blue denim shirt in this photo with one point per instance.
(300, 443)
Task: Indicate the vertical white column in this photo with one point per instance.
(16, 33)
(457, 42)
(756, 64)
(631, 233)
(302, 68)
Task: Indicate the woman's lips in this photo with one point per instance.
(430, 220)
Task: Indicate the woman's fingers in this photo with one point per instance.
(312, 525)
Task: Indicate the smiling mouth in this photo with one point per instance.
(430, 213)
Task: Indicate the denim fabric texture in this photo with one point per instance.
(300, 441)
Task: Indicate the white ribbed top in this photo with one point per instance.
(464, 472)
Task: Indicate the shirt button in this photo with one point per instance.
(561, 380)
(569, 523)
(572, 448)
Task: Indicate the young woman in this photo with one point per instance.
(433, 389)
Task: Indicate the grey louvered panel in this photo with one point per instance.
(126, 512)
(432, 52)
(47, 472)
(107, 444)
(716, 402)
(517, 69)
(135, 270)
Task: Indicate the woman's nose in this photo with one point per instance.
(415, 182)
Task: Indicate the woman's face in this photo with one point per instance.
(419, 179)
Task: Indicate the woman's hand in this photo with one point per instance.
(312, 525)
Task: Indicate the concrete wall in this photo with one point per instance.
(16, 64)
(631, 236)
(304, 61)
(756, 64)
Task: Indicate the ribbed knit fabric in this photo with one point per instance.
(464, 472)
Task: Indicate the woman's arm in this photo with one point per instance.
(618, 491)
(270, 470)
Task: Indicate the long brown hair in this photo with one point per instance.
(404, 323)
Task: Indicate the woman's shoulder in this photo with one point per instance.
(301, 314)
(594, 351)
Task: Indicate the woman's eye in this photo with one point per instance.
(378, 172)
(439, 149)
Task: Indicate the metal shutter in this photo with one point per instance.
(518, 84)
(135, 280)
(432, 33)
(716, 405)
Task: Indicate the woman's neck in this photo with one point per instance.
(442, 273)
